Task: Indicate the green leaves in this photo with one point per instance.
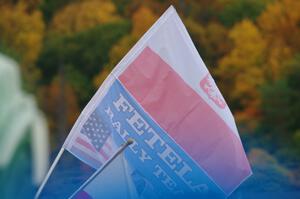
(82, 55)
(281, 104)
(238, 10)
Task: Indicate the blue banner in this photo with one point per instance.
(158, 166)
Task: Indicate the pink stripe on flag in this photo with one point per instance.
(108, 143)
(187, 118)
(85, 144)
(103, 154)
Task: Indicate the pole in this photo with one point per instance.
(120, 150)
(38, 193)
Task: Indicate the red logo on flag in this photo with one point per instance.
(209, 87)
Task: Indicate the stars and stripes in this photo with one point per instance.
(96, 130)
(94, 142)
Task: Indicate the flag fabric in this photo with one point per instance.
(162, 95)
(111, 183)
(93, 143)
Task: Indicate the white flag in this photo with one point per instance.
(162, 95)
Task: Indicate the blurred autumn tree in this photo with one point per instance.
(60, 103)
(280, 27)
(142, 19)
(68, 47)
(237, 10)
(243, 67)
(212, 41)
(82, 15)
(79, 37)
(22, 30)
(81, 55)
(50, 7)
(281, 103)
(75, 60)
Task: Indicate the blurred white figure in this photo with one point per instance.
(20, 119)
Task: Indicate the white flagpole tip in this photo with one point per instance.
(130, 141)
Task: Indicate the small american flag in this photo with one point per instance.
(94, 144)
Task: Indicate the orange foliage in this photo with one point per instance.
(241, 71)
(142, 20)
(53, 97)
(22, 31)
(82, 15)
(280, 25)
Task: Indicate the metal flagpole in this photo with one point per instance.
(120, 150)
(38, 193)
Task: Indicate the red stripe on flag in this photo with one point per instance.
(186, 117)
(87, 145)
(103, 154)
(108, 144)
(87, 150)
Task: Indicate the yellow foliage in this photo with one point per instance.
(248, 44)
(281, 20)
(280, 25)
(83, 14)
(22, 31)
(242, 69)
(142, 20)
(30, 4)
